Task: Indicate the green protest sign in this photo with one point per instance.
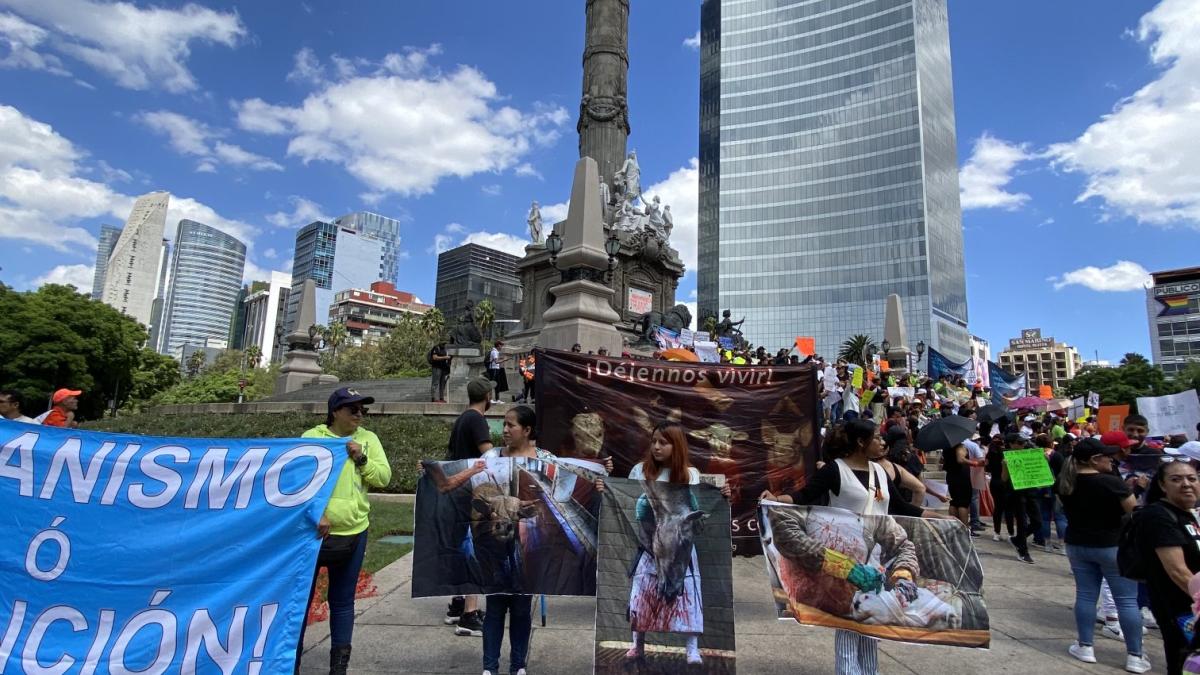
(1028, 468)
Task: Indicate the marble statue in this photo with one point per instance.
(668, 222)
(630, 177)
(628, 217)
(654, 218)
(535, 223)
(605, 201)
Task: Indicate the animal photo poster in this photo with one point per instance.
(506, 525)
(664, 590)
(891, 577)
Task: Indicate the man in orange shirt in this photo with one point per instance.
(62, 414)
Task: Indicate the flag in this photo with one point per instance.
(1005, 383)
(939, 365)
(1174, 305)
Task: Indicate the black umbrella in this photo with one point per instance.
(989, 414)
(945, 433)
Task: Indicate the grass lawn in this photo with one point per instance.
(387, 518)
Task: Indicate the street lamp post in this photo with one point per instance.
(612, 246)
(920, 351)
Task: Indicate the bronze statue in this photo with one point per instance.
(675, 319)
(466, 333)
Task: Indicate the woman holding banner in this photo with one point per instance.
(1095, 502)
(852, 480)
(343, 527)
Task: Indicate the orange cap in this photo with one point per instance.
(62, 394)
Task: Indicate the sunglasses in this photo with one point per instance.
(355, 409)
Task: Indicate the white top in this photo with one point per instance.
(854, 497)
(974, 451)
(22, 418)
(665, 474)
(494, 358)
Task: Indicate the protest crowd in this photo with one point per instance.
(1120, 503)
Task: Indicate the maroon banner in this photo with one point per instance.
(755, 426)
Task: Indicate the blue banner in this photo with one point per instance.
(939, 365)
(136, 554)
(1005, 383)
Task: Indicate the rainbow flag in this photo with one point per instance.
(1174, 305)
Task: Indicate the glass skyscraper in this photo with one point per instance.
(336, 258)
(386, 230)
(206, 278)
(829, 171)
(108, 238)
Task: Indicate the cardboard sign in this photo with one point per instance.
(1111, 417)
(1045, 391)
(902, 392)
(639, 301)
(1171, 414)
(1028, 468)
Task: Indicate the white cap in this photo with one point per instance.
(1191, 450)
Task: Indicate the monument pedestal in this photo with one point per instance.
(299, 370)
(467, 364)
(582, 314)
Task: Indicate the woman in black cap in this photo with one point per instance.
(343, 527)
(1095, 502)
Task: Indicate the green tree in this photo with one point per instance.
(253, 356)
(195, 363)
(710, 326)
(485, 317)
(403, 351)
(1189, 377)
(335, 336)
(433, 323)
(56, 337)
(154, 373)
(852, 349)
(1122, 385)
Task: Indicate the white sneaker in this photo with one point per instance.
(1137, 664)
(1148, 619)
(995, 537)
(1112, 630)
(520, 671)
(487, 672)
(1085, 654)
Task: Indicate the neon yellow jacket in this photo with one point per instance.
(349, 507)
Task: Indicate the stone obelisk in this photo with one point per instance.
(604, 109)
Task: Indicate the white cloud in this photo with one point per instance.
(43, 195)
(693, 42)
(255, 272)
(270, 254)
(405, 126)
(1142, 160)
(192, 137)
(501, 241)
(1121, 276)
(526, 169)
(304, 211)
(492, 190)
(79, 276)
(988, 171)
(455, 228)
(307, 68)
(22, 39)
(681, 191)
(138, 48)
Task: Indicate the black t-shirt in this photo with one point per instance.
(439, 365)
(1162, 525)
(956, 471)
(828, 480)
(470, 429)
(1094, 510)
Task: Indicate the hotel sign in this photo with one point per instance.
(1177, 289)
(1031, 338)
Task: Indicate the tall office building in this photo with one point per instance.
(336, 258)
(206, 277)
(386, 230)
(134, 267)
(265, 310)
(108, 238)
(160, 298)
(828, 170)
(370, 314)
(1173, 308)
(473, 273)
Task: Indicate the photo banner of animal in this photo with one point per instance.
(126, 553)
(891, 577)
(664, 583)
(506, 525)
(756, 425)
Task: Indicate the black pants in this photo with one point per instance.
(527, 395)
(1024, 507)
(1175, 644)
(1001, 493)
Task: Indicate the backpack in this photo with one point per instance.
(429, 356)
(1129, 557)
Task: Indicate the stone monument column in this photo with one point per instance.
(604, 110)
(300, 367)
(582, 311)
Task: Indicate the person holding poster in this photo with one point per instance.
(649, 609)
(1095, 502)
(851, 480)
(343, 527)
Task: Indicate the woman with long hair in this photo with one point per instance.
(1095, 502)
(998, 487)
(1168, 538)
(852, 479)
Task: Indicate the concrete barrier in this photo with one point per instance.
(440, 410)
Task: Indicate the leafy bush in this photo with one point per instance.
(406, 439)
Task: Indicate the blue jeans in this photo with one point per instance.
(1051, 512)
(520, 626)
(1090, 564)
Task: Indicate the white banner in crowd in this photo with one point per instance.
(903, 392)
(1171, 414)
(1077, 407)
(687, 337)
(707, 351)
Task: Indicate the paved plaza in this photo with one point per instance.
(1030, 608)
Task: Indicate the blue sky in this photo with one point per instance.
(1079, 135)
